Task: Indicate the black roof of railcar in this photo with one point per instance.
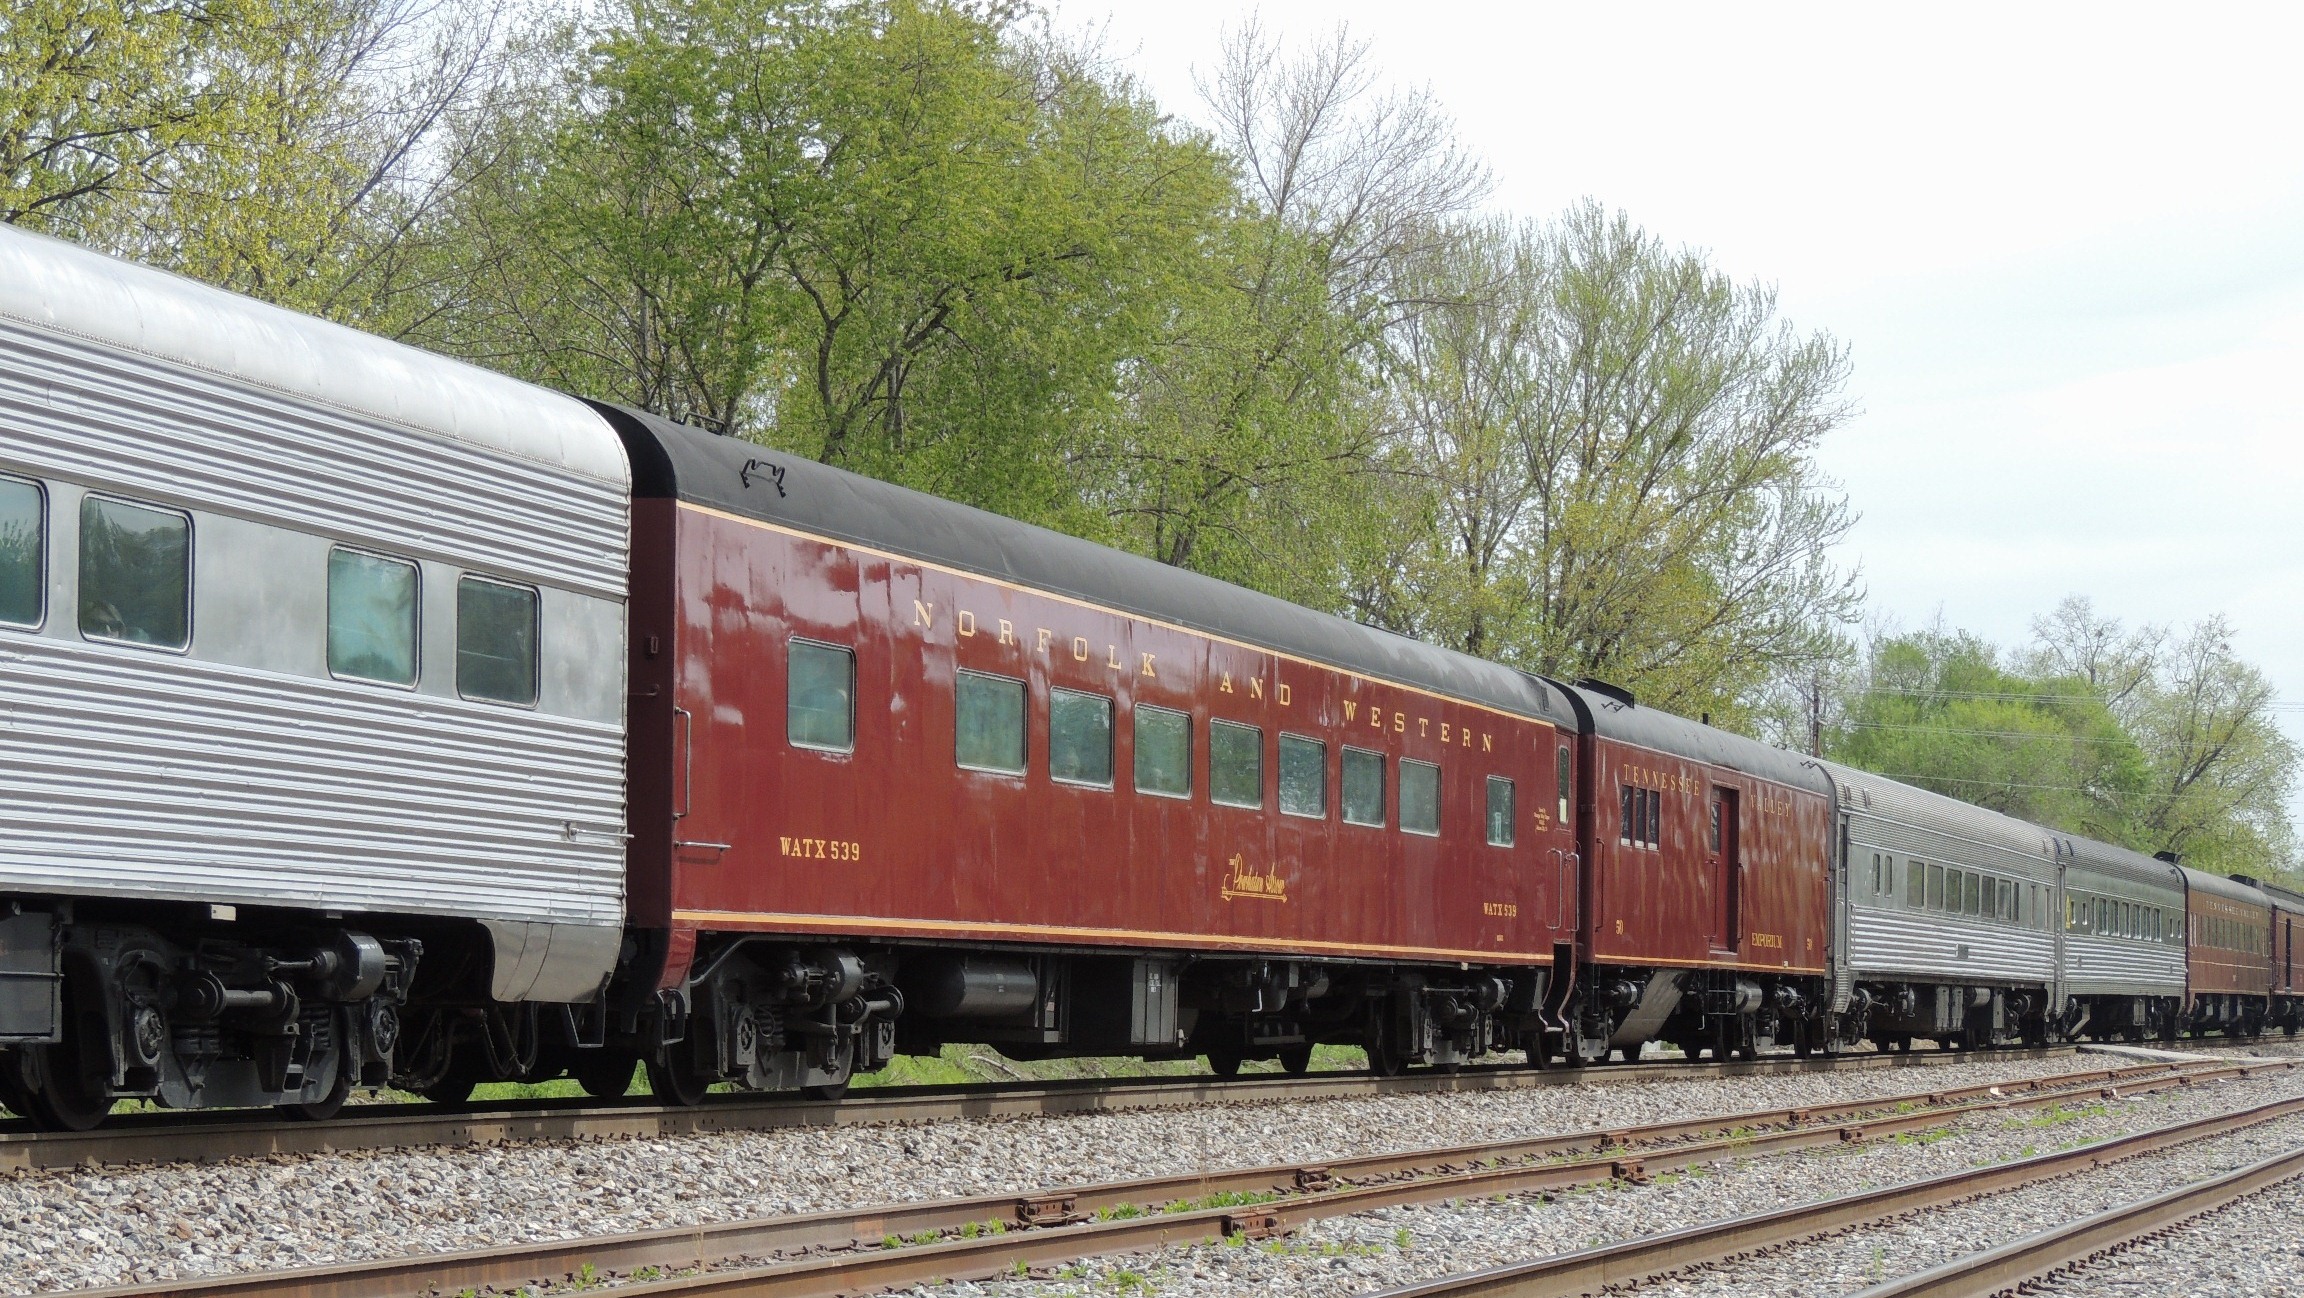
(1615, 718)
(690, 464)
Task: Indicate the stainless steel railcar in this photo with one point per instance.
(311, 697)
(2123, 941)
(1946, 912)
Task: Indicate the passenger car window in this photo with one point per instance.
(988, 722)
(1363, 787)
(495, 641)
(1163, 751)
(820, 696)
(1303, 776)
(1235, 764)
(135, 574)
(1628, 818)
(23, 551)
(1079, 738)
(1565, 789)
(1915, 884)
(1935, 887)
(1500, 799)
(371, 617)
(1952, 879)
(1419, 797)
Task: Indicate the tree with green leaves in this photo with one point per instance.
(289, 149)
(914, 239)
(1601, 455)
(1244, 435)
(2158, 741)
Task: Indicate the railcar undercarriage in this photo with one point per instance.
(1956, 1016)
(1725, 1013)
(777, 1015)
(192, 1007)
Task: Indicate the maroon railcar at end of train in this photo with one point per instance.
(904, 772)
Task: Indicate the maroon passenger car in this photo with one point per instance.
(1706, 888)
(905, 772)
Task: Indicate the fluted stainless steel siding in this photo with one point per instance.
(2104, 966)
(135, 774)
(1925, 945)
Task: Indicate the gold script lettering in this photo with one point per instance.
(923, 614)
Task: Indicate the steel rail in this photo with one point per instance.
(2003, 1269)
(1376, 1180)
(164, 1137)
(1594, 1270)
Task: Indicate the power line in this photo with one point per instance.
(1985, 734)
(1990, 784)
(2004, 696)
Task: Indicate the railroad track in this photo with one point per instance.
(1996, 1271)
(209, 1137)
(2002, 1270)
(896, 1245)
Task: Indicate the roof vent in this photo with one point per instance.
(1616, 692)
(2171, 858)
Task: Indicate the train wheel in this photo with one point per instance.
(66, 1098)
(454, 1089)
(321, 1110)
(1384, 1060)
(826, 1090)
(1632, 1053)
(1296, 1060)
(1224, 1063)
(604, 1074)
(674, 1079)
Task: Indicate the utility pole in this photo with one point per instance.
(1816, 713)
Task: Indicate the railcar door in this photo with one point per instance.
(1725, 863)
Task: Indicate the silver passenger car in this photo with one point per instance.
(311, 681)
(2123, 928)
(1945, 915)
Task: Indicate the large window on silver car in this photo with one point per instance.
(1235, 764)
(1163, 751)
(1080, 738)
(820, 696)
(23, 551)
(135, 574)
(1419, 797)
(371, 617)
(988, 722)
(496, 641)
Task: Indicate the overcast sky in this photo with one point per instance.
(2066, 248)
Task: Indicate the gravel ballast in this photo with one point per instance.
(81, 1228)
(2251, 1249)
(1398, 1246)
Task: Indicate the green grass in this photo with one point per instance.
(954, 1065)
